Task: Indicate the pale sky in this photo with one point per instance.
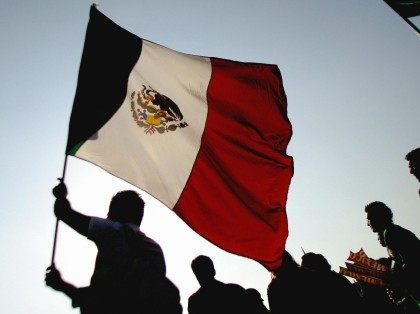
(351, 72)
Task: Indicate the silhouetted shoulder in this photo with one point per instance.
(396, 234)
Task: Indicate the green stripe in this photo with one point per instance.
(74, 150)
(102, 68)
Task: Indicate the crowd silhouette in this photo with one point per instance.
(130, 271)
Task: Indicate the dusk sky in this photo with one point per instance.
(351, 73)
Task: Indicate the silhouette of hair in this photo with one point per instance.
(254, 293)
(287, 262)
(314, 261)
(288, 259)
(203, 268)
(126, 207)
(414, 155)
(379, 210)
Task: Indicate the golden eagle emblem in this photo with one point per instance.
(155, 112)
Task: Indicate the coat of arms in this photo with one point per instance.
(155, 112)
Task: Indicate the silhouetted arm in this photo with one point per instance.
(68, 215)
(54, 280)
(72, 218)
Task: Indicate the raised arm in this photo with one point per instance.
(64, 212)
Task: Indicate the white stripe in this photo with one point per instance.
(159, 164)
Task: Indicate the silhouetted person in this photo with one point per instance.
(130, 269)
(404, 249)
(343, 295)
(375, 298)
(255, 302)
(413, 159)
(294, 289)
(214, 296)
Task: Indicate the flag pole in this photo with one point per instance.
(395, 9)
(57, 220)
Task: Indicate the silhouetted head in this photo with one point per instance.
(379, 216)
(126, 207)
(287, 263)
(254, 294)
(203, 269)
(313, 261)
(413, 159)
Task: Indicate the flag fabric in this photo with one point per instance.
(405, 8)
(205, 136)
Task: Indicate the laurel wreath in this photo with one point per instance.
(139, 116)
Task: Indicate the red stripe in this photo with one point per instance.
(236, 194)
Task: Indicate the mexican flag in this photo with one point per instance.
(205, 136)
